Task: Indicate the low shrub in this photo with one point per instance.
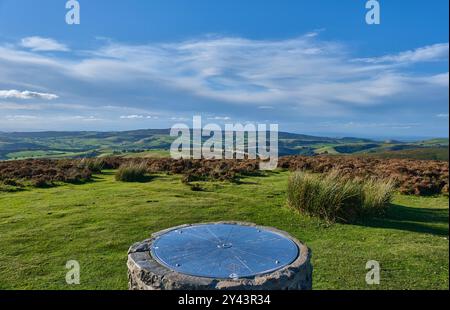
(41, 183)
(11, 182)
(43, 172)
(77, 176)
(9, 188)
(336, 198)
(195, 187)
(112, 162)
(132, 172)
(95, 165)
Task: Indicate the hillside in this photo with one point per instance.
(20, 145)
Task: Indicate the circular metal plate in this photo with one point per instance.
(224, 250)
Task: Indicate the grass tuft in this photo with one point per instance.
(95, 165)
(335, 198)
(132, 172)
(377, 195)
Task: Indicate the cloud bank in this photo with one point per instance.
(280, 80)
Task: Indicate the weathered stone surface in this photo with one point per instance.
(145, 273)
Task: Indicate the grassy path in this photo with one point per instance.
(95, 223)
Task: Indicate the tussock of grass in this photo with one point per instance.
(95, 165)
(335, 198)
(377, 195)
(132, 172)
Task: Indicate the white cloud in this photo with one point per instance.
(374, 125)
(435, 52)
(442, 115)
(20, 117)
(134, 116)
(303, 71)
(304, 74)
(83, 118)
(179, 119)
(15, 94)
(91, 119)
(219, 118)
(137, 116)
(39, 44)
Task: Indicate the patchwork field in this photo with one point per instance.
(95, 223)
(156, 142)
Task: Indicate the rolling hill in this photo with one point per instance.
(20, 145)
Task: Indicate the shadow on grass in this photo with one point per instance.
(79, 182)
(422, 220)
(143, 179)
(242, 181)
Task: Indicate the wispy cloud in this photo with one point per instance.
(26, 94)
(303, 71)
(435, 52)
(39, 44)
(220, 118)
(90, 118)
(384, 125)
(137, 116)
(179, 118)
(302, 77)
(374, 125)
(20, 117)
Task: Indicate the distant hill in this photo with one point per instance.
(427, 153)
(18, 145)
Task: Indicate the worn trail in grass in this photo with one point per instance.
(95, 223)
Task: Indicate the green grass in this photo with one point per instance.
(326, 150)
(95, 223)
(434, 142)
(52, 154)
(424, 153)
(33, 154)
(149, 154)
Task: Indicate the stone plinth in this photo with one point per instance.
(145, 272)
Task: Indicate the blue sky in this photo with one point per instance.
(310, 66)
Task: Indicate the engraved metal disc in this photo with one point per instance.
(224, 250)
